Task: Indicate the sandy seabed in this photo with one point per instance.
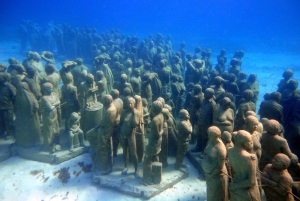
(22, 179)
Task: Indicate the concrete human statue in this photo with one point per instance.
(34, 82)
(136, 82)
(119, 105)
(213, 164)
(205, 119)
(130, 122)
(155, 138)
(140, 132)
(34, 61)
(244, 165)
(53, 77)
(223, 116)
(101, 65)
(70, 98)
(253, 85)
(251, 126)
(163, 155)
(164, 74)
(27, 123)
(76, 137)
(100, 138)
(185, 130)
(49, 108)
(279, 181)
(101, 83)
(77, 69)
(271, 108)
(287, 75)
(273, 144)
(245, 106)
(7, 98)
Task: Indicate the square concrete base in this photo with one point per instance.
(129, 185)
(36, 154)
(5, 148)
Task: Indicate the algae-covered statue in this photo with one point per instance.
(49, 107)
(100, 138)
(213, 164)
(27, 121)
(279, 181)
(75, 133)
(184, 133)
(154, 144)
(244, 184)
(131, 120)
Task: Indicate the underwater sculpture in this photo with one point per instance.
(213, 164)
(27, 121)
(155, 138)
(279, 181)
(223, 116)
(75, 134)
(7, 96)
(101, 140)
(49, 108)
(185, 130)
(131, 119)
(244, 184)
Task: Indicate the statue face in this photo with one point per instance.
(248, 145)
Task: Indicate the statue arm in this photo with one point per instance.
(250, 169)
(221, 163)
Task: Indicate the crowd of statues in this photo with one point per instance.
(138, 89)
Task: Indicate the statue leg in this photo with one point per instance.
(163, 155)
(103, 152)
(140, 146)
(71, 140)
(92, 138)
(147, 170)
(181, 151)
(124, 143)
(132, 149)
(115, 139)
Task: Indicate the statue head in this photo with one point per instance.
(251, 123)
(123, 78)
(115, 93)
(126, 91)
(225, 103)
(242, 75)
(276, 96)
(218, 80)
(272, 127)
(3, 67)
(292, 85)
(47, 88)
(100, 74)
(89, 78)
(161, 99)
(31, 71)
(288, 74)
(137, 72)
(281, 162)
(209, 93)
(4, 78)
(12, 60)
(248, 95)
(197, 89)
(250, 113)
(214, 133)
(50, 68)
(184, 114)
(243, 139)
(156, 107)
(226, 137)
(107, 100)
(131, 103)
(74, 116)
(79, 61)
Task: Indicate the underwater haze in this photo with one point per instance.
(239, 24)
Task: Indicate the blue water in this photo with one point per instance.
(229, 23)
